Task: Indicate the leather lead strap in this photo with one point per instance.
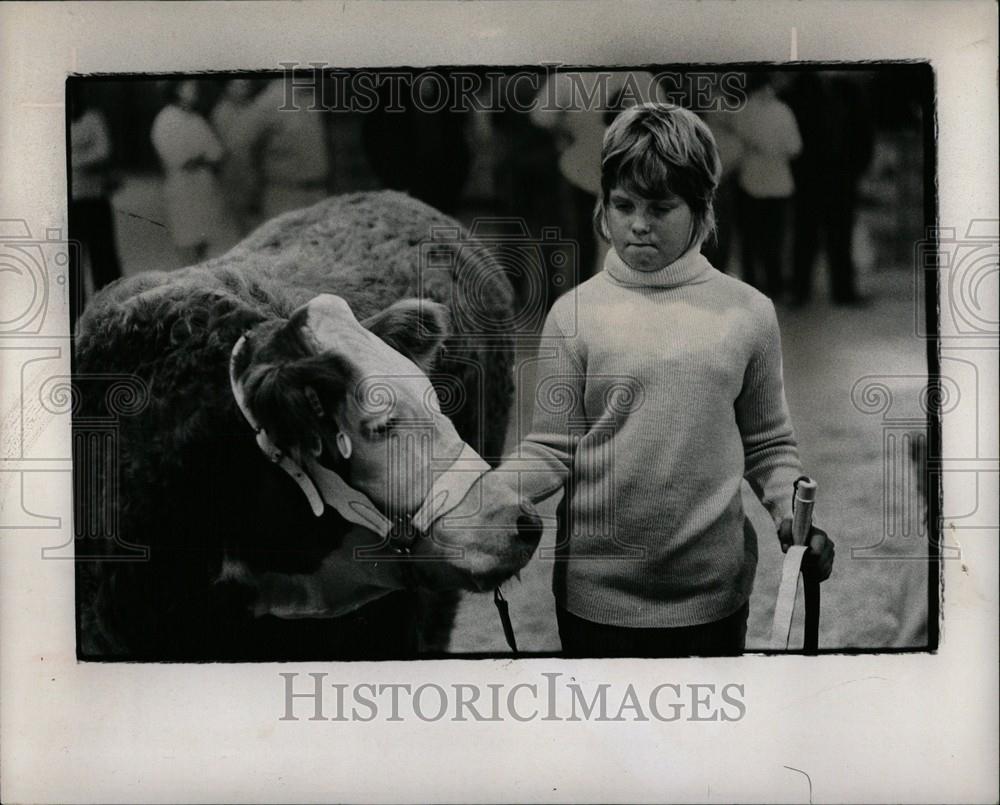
(785, 605)
(504, 609)
(810, 643)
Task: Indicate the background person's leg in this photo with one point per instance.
(805, 244)
(772, 243)
(750, 236)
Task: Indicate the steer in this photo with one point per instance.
(375, 390)
(350, 404)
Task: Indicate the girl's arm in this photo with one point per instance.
(542, 461)
(771, 454)
(792, 139)
(771, 457)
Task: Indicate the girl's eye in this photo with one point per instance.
(381, 430)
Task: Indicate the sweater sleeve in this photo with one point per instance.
(543, 460)
(771, 458)
(181, 139)
(792, 140)
(89, 140)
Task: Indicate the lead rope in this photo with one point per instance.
(810, 585)
(504, 609)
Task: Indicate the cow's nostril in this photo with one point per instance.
(529, 528)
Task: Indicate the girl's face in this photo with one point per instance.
(648, 234)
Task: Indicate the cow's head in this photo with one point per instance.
(355, 397)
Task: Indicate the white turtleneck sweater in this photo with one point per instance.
(658, 393)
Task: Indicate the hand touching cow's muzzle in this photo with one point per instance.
(480, 543)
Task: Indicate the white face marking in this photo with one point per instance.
(389, 423)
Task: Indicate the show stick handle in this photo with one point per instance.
(802, 510)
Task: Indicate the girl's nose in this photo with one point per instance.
(639, 225)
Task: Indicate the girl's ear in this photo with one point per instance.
(415, 327)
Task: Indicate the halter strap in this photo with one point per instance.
(268, 447)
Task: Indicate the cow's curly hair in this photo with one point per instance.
(172, 335)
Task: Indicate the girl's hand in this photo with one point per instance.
(818, 561)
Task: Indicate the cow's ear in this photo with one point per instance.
(415, 327)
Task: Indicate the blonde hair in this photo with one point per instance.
(657, 150)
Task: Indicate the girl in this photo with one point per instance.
(201, 224)
(660, 389)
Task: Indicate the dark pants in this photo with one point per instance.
(829, 217)
(722, 638)
(91, 224)
(762, 232)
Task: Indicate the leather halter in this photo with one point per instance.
(323, 486)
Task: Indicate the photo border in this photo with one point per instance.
(817, 718)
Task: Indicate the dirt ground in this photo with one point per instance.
(868, 499)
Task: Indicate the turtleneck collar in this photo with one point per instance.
(689, 267)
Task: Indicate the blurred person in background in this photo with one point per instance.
(530, 188)
(837, 143)
(190, 153)
(416, 146)
(770, 140)
(287, 141)
(722, 124)
(91, 219)
(240, 179)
